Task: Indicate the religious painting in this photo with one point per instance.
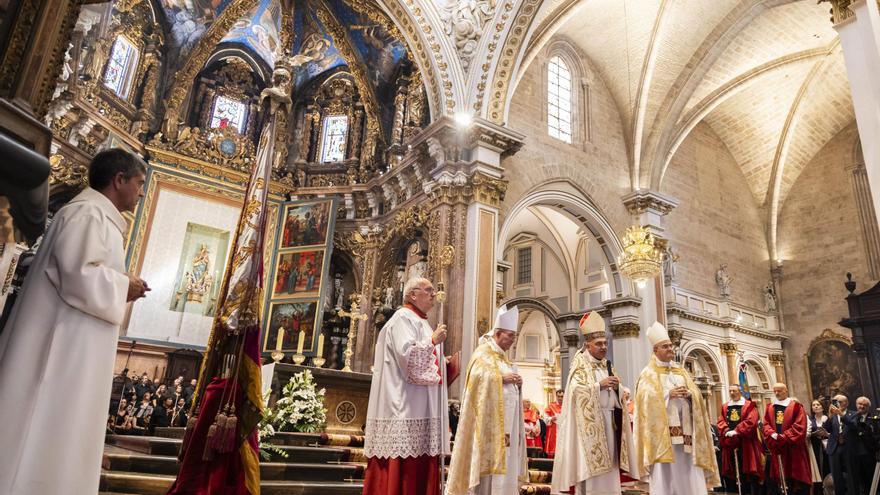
(299, 274)
(305, 224)
(259, 30)
(832, 367)
(188, 21)
(294, 317)
(200, 269)
(314, 49)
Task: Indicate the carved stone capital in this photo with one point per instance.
(641, 201)
(728, 348)
(622, 330)
(675, 335)
(839, 10)
(777, 359)
(571, 339)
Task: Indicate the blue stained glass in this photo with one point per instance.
(120, 67)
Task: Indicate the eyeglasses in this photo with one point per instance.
(429, 290)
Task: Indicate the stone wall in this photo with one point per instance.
(717, 221)
(819, 241)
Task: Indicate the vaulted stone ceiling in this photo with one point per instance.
(766, 75)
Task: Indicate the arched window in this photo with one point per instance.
(559, 98)
(228, 113)
(333, 138)
(121, 67)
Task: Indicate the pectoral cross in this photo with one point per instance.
(355, 316)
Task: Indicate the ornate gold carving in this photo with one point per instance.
(224, 147)
(429, 61)
(185, 77)
(622, 330)
(479, 187)
(68, 174)
(509, 54)
(826, 335)
(14, 54)
(492, 46)
(727, 348)
(840, 10)
(776, 359)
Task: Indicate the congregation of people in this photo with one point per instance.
(142, 404)
(602, 437)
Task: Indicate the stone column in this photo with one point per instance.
(629, 353)
(569, 345)
(778, 363)
(728, 350)
(858, 24)
(867, 214)
(648, 208)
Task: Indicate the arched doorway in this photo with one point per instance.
(704, 367)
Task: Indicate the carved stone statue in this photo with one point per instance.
(389, 297)
(339, 291)
(769, 298)
(722, 279)
(669, 260)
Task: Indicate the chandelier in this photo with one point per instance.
(640, 259)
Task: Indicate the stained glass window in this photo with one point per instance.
(559, 100)
(228, 113)
(333, 139)
(121, 67)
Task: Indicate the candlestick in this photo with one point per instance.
(354, 316)
(300, 342)
(318, 360)
(279, 342)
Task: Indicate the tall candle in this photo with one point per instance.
(320, 345)
(302, 340)
(280, 341)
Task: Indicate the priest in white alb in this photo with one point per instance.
(595, 441)
(673, 436)
(407, 431)
(58, 348)
(489, 457)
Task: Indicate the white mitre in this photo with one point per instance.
(507, 319)
(657, 333)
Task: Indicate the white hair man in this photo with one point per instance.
(673, 436)
(407, 431)
(489, 456)
(595, 440)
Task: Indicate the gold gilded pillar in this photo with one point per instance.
(778, 363)
(728, 350)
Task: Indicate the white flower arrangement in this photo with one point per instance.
(301, 407)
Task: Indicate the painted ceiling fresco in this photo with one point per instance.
(259, 30)
(188, 21)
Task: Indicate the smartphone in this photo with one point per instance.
(835, 403)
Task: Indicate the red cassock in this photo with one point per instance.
(746, 440)
(552, 410)
(533, 428)
(790, 444)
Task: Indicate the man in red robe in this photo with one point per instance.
(785, 429)
(552, 412)
(738, 433)
(532, 424)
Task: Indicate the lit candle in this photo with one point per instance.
(279, 342)
(320, 345)
(302, 340)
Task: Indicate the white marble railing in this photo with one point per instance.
(720, 310)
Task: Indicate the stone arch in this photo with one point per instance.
(581, 210)
(704, 353)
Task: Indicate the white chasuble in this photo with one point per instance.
(407, 414)
(58, 350)
(581, 460)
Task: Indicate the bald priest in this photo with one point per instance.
(593, 445)
(489, 456)
(673, 436)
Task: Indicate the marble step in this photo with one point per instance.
(280, 438)
(296, 453)
(152, 484)
(279, 471)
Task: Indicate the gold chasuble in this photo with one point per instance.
(653, 439)
(480, 443)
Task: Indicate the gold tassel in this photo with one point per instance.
(213, 434)
(230, 432)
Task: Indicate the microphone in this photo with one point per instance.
(610, 371)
